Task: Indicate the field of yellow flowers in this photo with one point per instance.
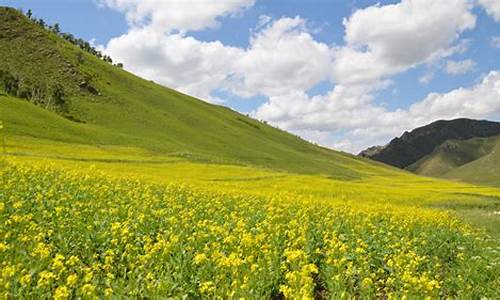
(69, 233)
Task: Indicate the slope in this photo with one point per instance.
(105, 105)
(413, 146)
(476, 160)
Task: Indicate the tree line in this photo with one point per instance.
(48, 96)
(84, 45)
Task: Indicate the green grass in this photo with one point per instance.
(135, 112)
(77, 230)
(475, 160)
(149, 179)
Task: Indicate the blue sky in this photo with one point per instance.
(317, 99)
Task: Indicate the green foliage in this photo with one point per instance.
(50, 97)
(8, 82)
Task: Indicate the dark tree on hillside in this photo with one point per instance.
(56, 28)
(41, 22)
(58, 95)
(8, 82)
(82, 44)
(119, 65)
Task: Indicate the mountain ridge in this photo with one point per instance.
(412, 146)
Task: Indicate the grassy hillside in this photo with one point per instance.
(130, 190)
(413, 146)
(475, 160)
(484, 170)
(123, 109)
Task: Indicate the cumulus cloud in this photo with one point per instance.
(283, 60)
(282, 56)
(347, 117)
(174, 60)
(183, 15)
(479, 101)
(459, 67)
(492, 7)
(385, 40)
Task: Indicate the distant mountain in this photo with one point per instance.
(413, 146)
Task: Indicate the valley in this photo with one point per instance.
(140, 191)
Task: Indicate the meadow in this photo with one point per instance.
(113, 222)
(128, 189)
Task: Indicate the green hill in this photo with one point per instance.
(412, 146)
(101, 104)
(476, 160)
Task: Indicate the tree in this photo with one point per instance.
(58, 95)
(29, 13)
(56, 28)
(80, 58)
(41, 22)
(119, 65)
(8, 82)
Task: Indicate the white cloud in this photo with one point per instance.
(281, 57)
(183, 15)
(350, 112)
(385, 40)
(426, 78)
(459, 67)
(283, 60)
(180, 62)
(481, 100)
(495, 42)
(492, 7)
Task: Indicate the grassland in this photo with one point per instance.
(116, 221)
(131, 111)
(141, 191)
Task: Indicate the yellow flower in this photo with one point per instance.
(108, 292)
(199, 258)
(367, 282)
(61, 292)
(73, 261)
(58, 262)
(207, 287)
(8, 272)
(89, 275)
(45, 278)
(42, 250)
(72, 279)
(88, 289)
(25, 280)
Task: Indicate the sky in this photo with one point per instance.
(344, 74)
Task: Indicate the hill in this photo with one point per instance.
(476, 160)
(412, 146)
(75, 97)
